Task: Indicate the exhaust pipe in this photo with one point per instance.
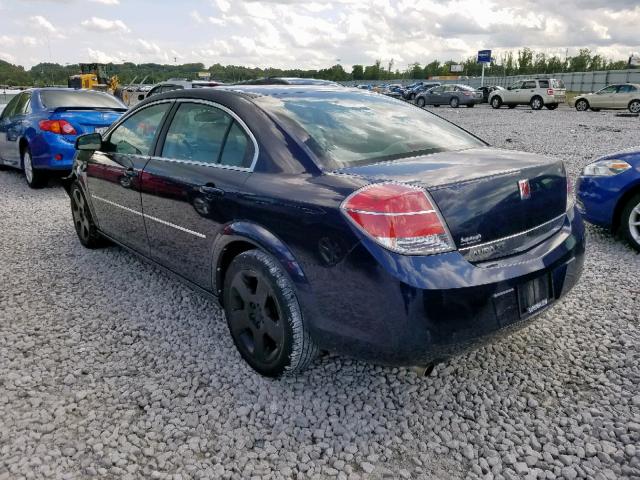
(424, 370)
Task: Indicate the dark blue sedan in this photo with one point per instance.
(332, 219)
(609, 194)
(38, 128)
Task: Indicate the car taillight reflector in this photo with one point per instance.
(60, 127)
(399, 217)
(550, 91)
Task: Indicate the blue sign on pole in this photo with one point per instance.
(484, 56)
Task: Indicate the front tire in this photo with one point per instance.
(454, 102)
(34, 177)
(582, 105)
(83, 220)
(634, 106)
(421, 102)
(630, 222)
(264, 316)
(496, 102)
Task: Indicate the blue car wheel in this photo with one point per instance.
(35, 178)
(630, 222)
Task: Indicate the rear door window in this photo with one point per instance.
(543, 83)
(207, 134)
(136, 135)
(626, 89)
(197, 133)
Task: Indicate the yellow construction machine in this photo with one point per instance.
(92, 77)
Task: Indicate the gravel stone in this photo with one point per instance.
(110, 368)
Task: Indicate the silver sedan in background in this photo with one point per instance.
(452, 95)
(614, 97)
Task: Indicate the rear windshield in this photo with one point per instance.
(79, 98)
(557, 84)
(354, 127)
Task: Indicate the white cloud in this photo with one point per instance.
(104, 25)
(43, 23)
(196, 16)
(102, 57)
(107, 2)
(149, 47)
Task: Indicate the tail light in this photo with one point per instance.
(550, 91)
(60, 127)
(401, 218)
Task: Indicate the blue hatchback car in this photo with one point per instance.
(39, 127)
(608, 193)
(327, 218)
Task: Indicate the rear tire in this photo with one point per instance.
(582, 105)
(264, 316)
(536, 103)
(35, 178)
(421, 102)
(634, 106)
(83, 220)
(454, 102)
(630, 222)
(496, 102)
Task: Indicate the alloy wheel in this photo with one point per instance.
(255, 317)
(536, 104)
(581, 105)
(28, 167)
(634, 223)
(80, 217)
(634, 107)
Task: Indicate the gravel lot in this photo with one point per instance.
(111, 369)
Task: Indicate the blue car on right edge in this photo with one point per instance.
(608, 194)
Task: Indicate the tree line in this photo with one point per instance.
(522, 62)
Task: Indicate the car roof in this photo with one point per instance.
(251, 92)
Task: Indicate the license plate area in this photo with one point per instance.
(534, 295)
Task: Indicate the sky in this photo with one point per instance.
(309, 33)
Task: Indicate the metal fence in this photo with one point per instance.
(575, 82)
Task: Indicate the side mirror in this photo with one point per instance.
(90, 141)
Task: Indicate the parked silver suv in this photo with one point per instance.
(539, 92)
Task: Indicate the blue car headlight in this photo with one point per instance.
(606, 168)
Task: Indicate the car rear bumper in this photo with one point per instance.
(403, 310)
(45, 147)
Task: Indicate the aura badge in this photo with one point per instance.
(525, 189)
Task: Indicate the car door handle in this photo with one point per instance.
(210, 190)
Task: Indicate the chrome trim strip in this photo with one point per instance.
(503, 239)
(155, 219)
(388, 214)
(173, 225)
(116, 205)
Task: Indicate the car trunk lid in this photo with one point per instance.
(495, 202)
(87, 120)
